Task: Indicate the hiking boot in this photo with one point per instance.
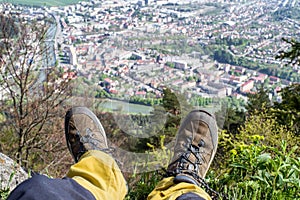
(195, 148)
(83, 132)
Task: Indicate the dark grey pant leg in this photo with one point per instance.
(40, 187)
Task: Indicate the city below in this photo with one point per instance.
(207, 49)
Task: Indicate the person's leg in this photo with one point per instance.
(99, 173)
(168, 190)
(41, 187)
(95, 170)
(195, 147)
(95, 175)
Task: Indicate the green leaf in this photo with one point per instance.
(263, 158)
(238, 165)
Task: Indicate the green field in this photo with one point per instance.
(41, 2)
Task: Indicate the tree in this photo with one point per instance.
(258, 100)
(293, 54)
(234, 118)
(170, 102)
(288, 110)
(32, 90)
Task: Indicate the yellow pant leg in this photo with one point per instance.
(98, 172)
(167, 190)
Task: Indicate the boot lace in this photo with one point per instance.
(185, 168)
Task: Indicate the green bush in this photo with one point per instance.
(143, 184)
(4, 192)
(260, 161)
(257, 171)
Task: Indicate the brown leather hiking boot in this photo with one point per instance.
(195, 148)
(83, 132)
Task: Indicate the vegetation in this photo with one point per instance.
(4, 192)
(288, 111)
(32, 95)
(293, 54)
(257, 158)
(256, 171)
(258, 100)
(145, 184)
(260, 160)
(229, 41)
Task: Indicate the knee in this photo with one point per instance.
(28, 189)
(36, 180)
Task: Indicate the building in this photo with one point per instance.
(72, 55)
(180, 65)
(247, 86)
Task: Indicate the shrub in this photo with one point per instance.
(143, 185)
(261, 161)
(257, 171)
(4, 191)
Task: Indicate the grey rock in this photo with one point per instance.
(8, 169)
